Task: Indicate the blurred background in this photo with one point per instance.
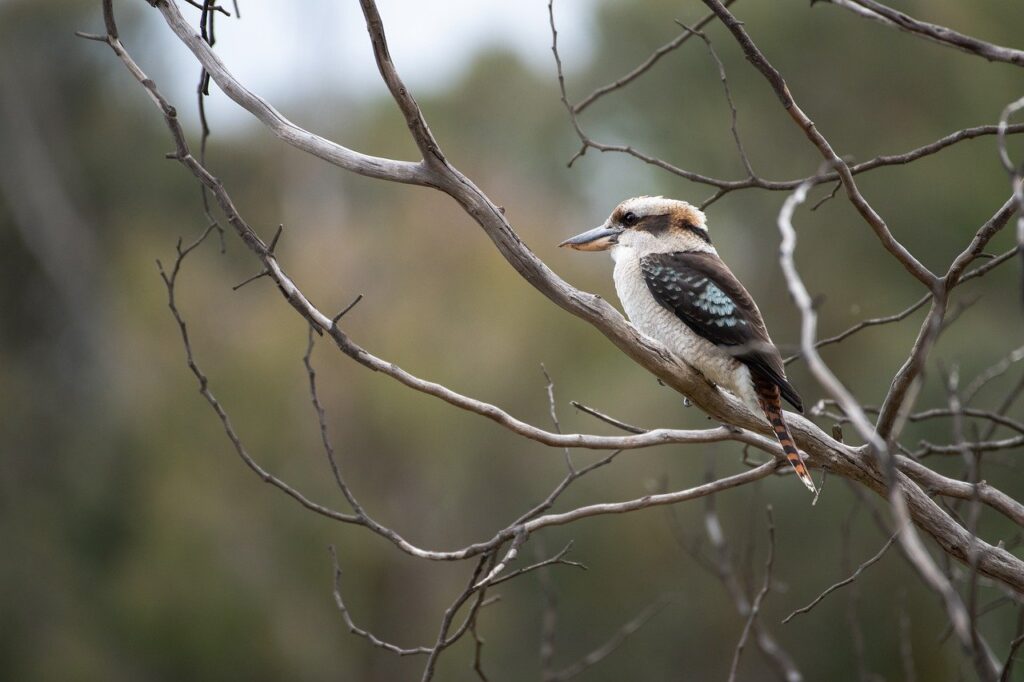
(136, 545)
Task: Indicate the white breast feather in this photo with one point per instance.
(656, 321)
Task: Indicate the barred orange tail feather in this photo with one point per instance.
(769, 398)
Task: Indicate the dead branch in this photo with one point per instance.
(844, 582)
(778, 84)
(755, 607)
(644, 66)
(821, 448)
(887, 16)
(907, 484)
(910, 542)
(620, 636)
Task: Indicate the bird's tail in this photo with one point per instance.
(771, 402)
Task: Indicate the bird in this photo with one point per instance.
(675, 288)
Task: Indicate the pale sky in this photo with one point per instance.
(277, 50)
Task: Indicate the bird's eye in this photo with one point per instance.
(629, 219)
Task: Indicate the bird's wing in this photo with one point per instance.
(703, 293)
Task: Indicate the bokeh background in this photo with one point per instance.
(135, 544)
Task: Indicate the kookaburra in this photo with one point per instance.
(676, 289)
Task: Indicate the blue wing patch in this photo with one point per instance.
(708, 298)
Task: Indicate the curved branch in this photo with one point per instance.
(908, 537)
(406, 102)
(938, 484)
(644, 66)
(778, 84)
(749, 476)
(901, 394)
(887, 16)
(822, 449)
(320, 147)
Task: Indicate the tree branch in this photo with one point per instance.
(823, 450)
(361, 164)
(778, 84)
(887, 16)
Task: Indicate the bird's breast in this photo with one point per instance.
(656, 321)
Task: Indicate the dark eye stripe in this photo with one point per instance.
(655, 224)
(703, 234)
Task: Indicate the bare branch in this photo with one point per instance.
(906, 312)
(360, 632)
(170, 280)
(937, 484)
(903, 390)
(556, 560)
(969, 412)
(414, 119)
(766, 469)
(613, 643)
(325, 438)
(997, 419)
(606, 419)
(809, 323)
(756, 606)
(513, 551)
(206, 26)
(844, 582)
(478, 642)
(909, 540)
(928, 448)
(443, 639)
(725, 186)
(1014, 645)
(644, 66)
(840, 459)
(984, 661)
(993, 372)
(554, 414)
(1016, 172)
(722, 566)
(728, 98)
(569, 479)
(370, 166)
(933, 32)
(863, 324)
(905, 385)
(904, 482)
(774, 78)
(984, 234)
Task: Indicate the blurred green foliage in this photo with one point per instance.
(137, 546)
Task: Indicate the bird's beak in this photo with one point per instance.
(599, 239)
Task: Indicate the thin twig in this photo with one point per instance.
(360, 632)
(755, 607)
(734, 126)
(844, 582)
(1018, 640)
(863, 324)
(933, 32)
(556, 560)
(607, 419)
(721, 565)
(550, 387)
(613, 643)
(993, 372)
(908, 537)
(644, 66)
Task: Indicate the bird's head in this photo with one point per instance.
(647, 225)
